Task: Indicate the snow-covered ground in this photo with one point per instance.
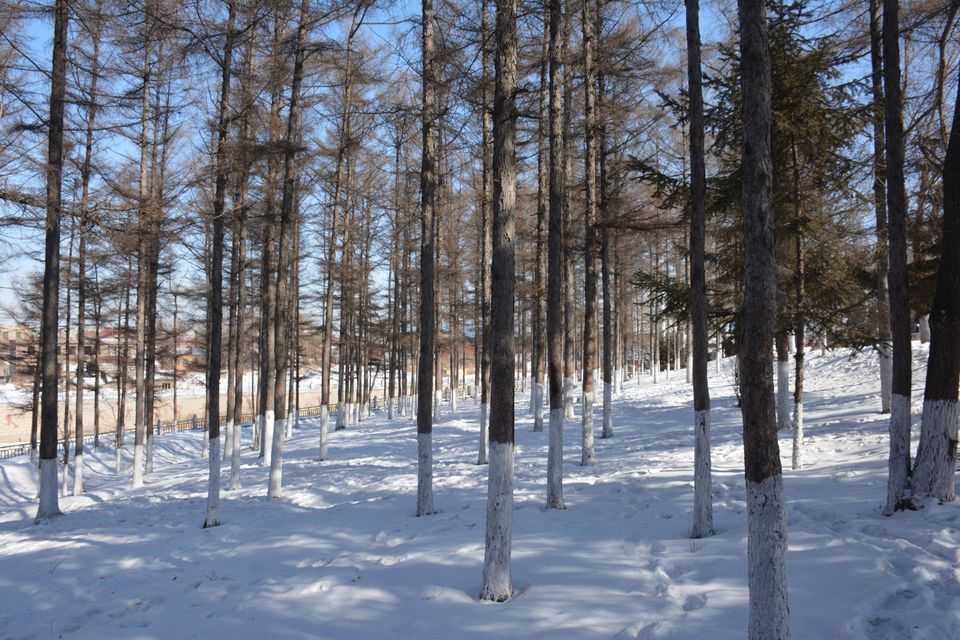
(343, 556)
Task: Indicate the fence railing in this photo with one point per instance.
(196, 423)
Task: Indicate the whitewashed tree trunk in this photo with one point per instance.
(276, 461)
(555, 461)
(702, 480)
(886, 376)
(324, 432)
(49, 502)
(898, 476)
(138, 466)
(937, 451)
(484, 437)
(78, 474)
(538, 391)
(424, 474)
(212, 518)
(497, 582)
(268, 429)
(228, 440)
(453, 399)
(924, 328)
(568, 390)
(797, 435)
(588, 454)
(766, 551)
(607, 411)
(205, 447)
(783, 394)
(117, 458)
(235, 458)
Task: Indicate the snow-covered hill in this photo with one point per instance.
(343, 556)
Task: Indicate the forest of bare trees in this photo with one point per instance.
(417, 205)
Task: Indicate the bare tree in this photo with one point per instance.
(702, 500)
(428, 187)
(766, 510)
(49, 506)
(555, 268)
(497, 584)
(898, 480)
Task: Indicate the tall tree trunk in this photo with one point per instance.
(64, 491)
(588, 454)
(898, 481)
(497, 585)
(540, 270)
(143, 279)
(766, 516)
(702, 500)
(98, 325)
(428, 187)
(605, 266)
(881, 261)
(345, 141)
(782, 342)
(485, 233)
(569, 293)
(268, 363)
(936, 462)
(85, 225)
(49, 505)
(215, 303)
(555, 267)
(282, 316)
(799, 318)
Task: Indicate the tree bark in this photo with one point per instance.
(215, 303)
(282, 316)
(936, 462)
(49, 505)
(540, 277)
(428, 187)
(702, 500)
(555, 267)
(485, 239)
(766, 516)
(497, 584)
(898, 480)
(588, 453)
(881, 261)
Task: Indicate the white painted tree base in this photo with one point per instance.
(324, 432)
(702, 480)
(49, 502)
(424, 474)
(78, 475)
(275, 484)
(936, 463)
(212, 518)
(588, 453)
(538, 393)
(886, 377)
(235, 459)
(899, 459)
(769, 616)
(484, 436)
(607, 411)
(555, 461)
(137, 466)
(797, 458)
(497, 584)
(783, 394)
(269, 424)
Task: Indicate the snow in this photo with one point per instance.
(342, 554)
